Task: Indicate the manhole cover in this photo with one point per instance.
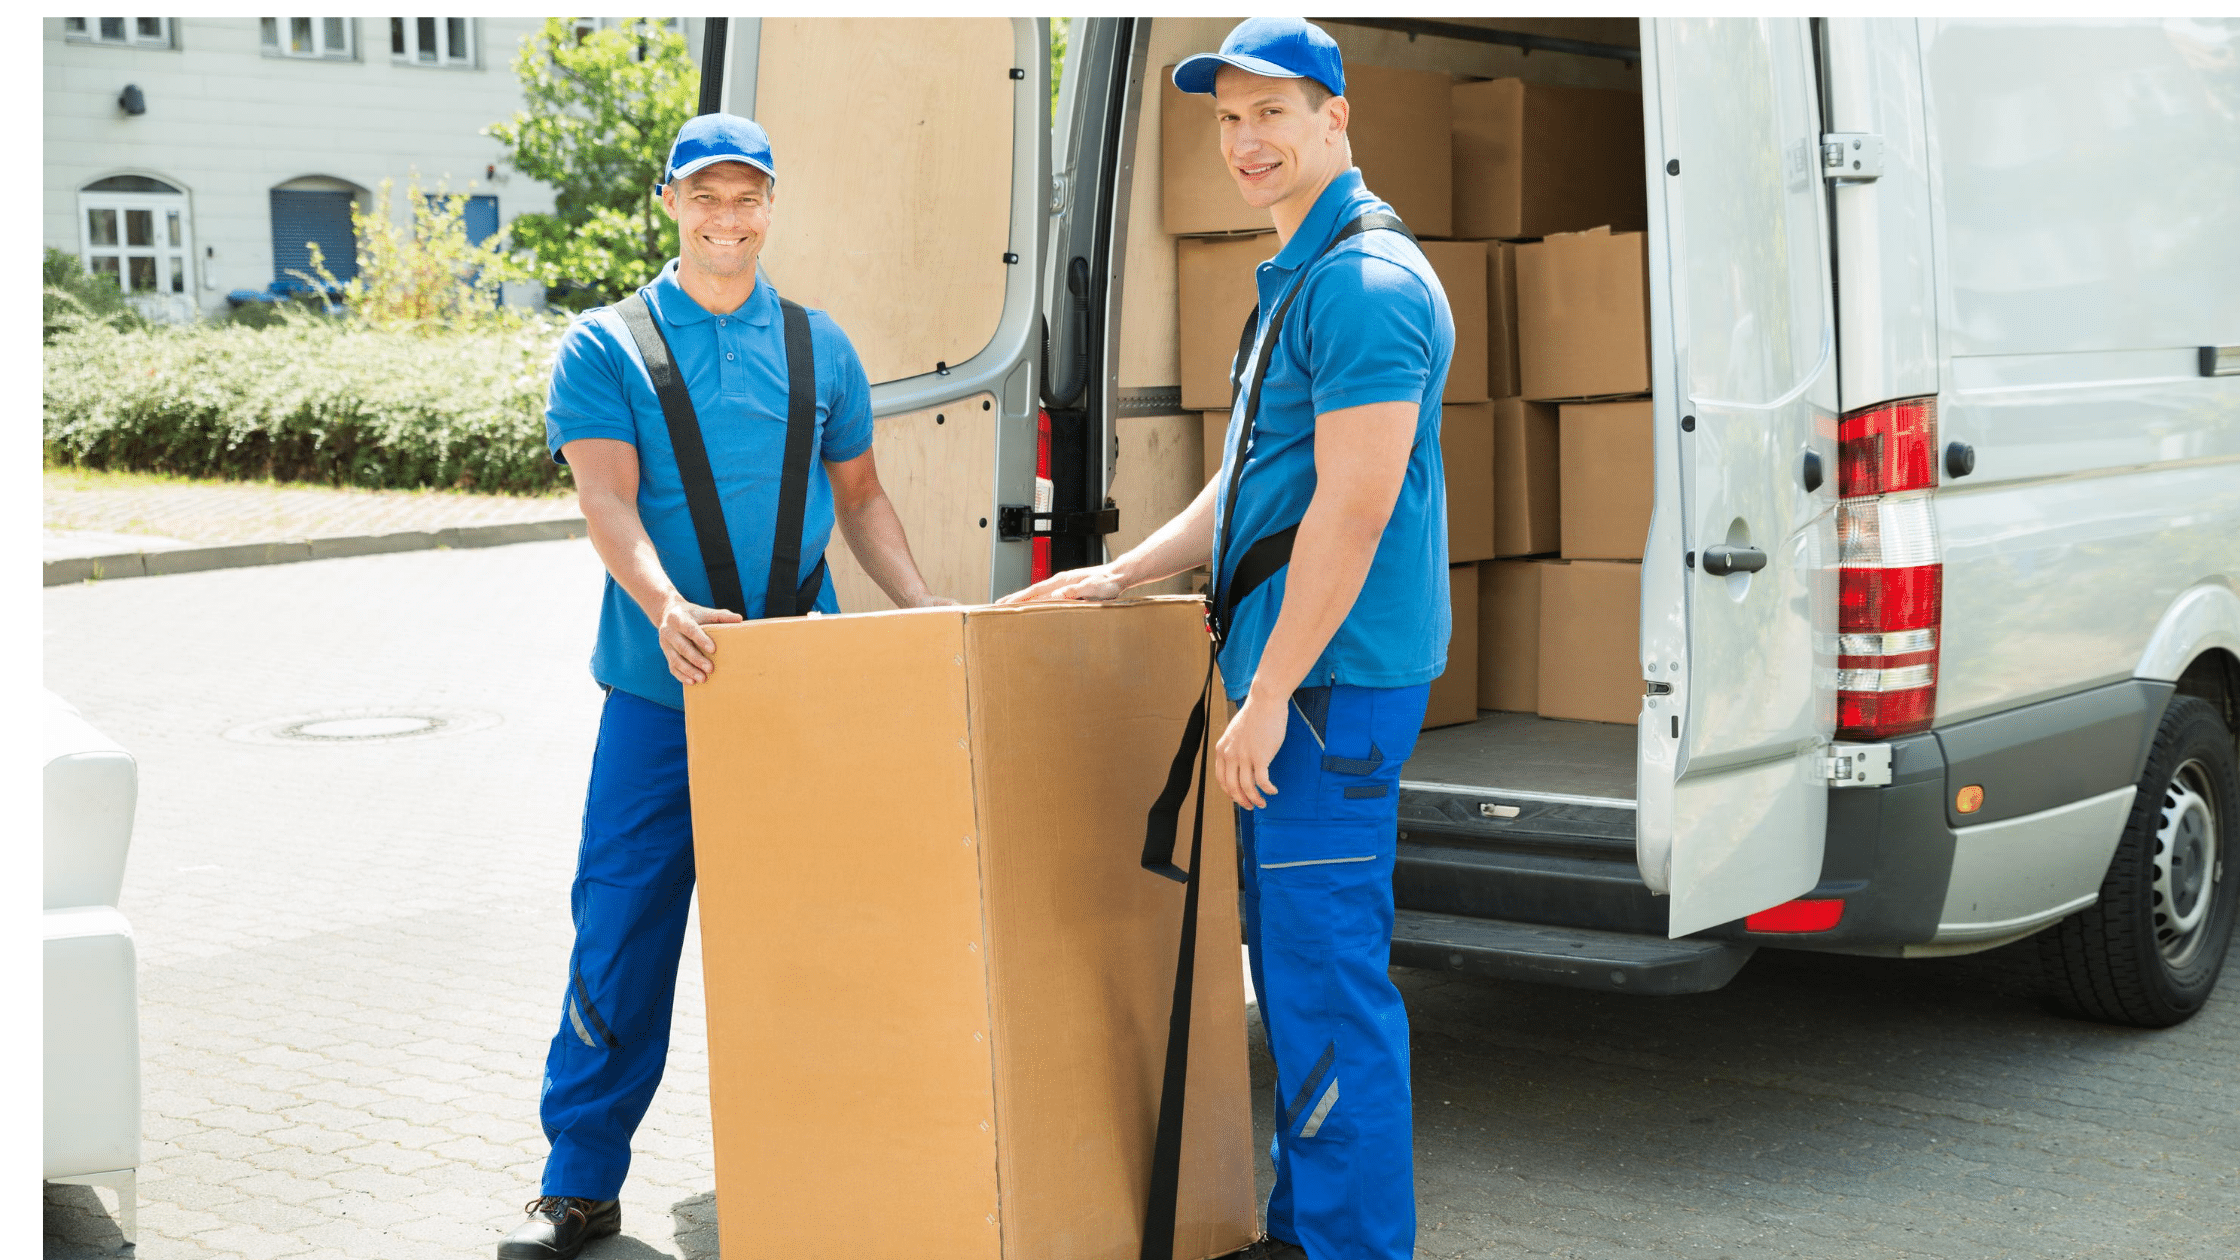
(361, 726)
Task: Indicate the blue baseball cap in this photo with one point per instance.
(712, 138)
(1277, 47)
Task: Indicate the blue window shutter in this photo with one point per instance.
(298, 217)
(481, 217)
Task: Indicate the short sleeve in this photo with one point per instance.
(587, 398)
(1373, 326)
(847, 425)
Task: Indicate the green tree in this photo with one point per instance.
(423, 275)
(602, 109)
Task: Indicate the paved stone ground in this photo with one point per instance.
(98, 514)
(352, 955)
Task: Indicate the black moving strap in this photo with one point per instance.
(1261, 561)
(784, 597)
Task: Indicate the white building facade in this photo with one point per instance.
(194, 157)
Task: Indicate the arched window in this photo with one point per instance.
(314, 208)
(137, 229)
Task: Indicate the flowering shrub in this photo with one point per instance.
(309, 399)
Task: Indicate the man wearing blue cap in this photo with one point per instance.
(1326, 531)
(689, 413)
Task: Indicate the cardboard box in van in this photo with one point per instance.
(1196, 191)
(1534, 159)
(1454, 694)
(1461, 268)
(1583, 315)
(1590, 640)
(1466, 452)
(1608, 475)
(934, 965)
(1217, 437)
(1402, 129)
(1215, 292)
(1502, 380)
(1509, 635)
(1527, 489)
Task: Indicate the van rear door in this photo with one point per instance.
(1739, 663)
(916, 160)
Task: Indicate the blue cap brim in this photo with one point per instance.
(701, 164)
(1198, 73)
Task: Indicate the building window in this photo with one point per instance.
(120, 32)
(136, 230)
(326, 37)
(432, 41)
(314, 209)
(585, 26)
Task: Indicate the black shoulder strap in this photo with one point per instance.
(701, 497)
(787, 595)
(1260, 562)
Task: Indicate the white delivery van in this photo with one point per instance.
(1940, 601)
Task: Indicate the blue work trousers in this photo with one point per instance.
(1316, 869)
(633, 891)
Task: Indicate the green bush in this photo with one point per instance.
(71, 297)
(307, 399)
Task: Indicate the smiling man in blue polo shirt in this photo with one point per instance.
(1326, 529)
(689, 413)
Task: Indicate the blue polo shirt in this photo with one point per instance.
(734, 367)
(1371, 325)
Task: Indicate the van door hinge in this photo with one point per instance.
(1016, 521)
(1851, 156)
(1858, 765)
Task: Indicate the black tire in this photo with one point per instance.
(2148, 952)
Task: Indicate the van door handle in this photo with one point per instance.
(1720, 561)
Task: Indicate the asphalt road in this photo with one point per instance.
(351, 957)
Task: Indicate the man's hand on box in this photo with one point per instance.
(1240, 759)
(1095, 583)
(689, 650)
(936, 601)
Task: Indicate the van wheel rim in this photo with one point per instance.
(2186, 869)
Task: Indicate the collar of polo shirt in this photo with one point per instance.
(1328, 215)
(676, 307)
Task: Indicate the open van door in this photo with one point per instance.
(913, 208)
(1739, 661)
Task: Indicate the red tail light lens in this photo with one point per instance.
(1039, 568)
(1887, 449)
(1891, 584)
(1797, 916)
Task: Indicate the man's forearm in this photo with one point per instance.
(874, 535)
(1178, 546)
(1329, 562)
(622, 543)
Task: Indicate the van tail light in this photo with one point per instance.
(1043, 496)
(1891, 585)
(1887, 449)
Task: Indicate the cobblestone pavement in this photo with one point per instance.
(96, 514)
(352, 956)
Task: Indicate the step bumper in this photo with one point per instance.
(1582, 958)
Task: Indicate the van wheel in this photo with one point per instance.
(2148, 952)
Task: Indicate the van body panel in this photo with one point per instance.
(1747, 352)
(2034, 758)
(2011, 877)
(2204, 619)
(1886, 291)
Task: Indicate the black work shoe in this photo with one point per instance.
(558, 1227)
(1273, 1249)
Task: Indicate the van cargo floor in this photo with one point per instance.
(1527, 753)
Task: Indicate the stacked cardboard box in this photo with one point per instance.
(1509, 635)
(1583, 315)
(1454, 694)
(934, 965)
(1607, 479)
(1533, 159)
(1590, 635)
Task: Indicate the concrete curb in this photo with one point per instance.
(247, 555)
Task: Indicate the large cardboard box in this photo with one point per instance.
(1216, 439)
(1609, 479)
(1454, 694)
(1583, 315)
(937, 980)
(1502, 380)
(1401, 126)
(1215, 291)
(1466, 453)
(1590, 641)
(1527, 489)
(1509, 635)
(1534, 159)
(1461, 268)
(1197, 193)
